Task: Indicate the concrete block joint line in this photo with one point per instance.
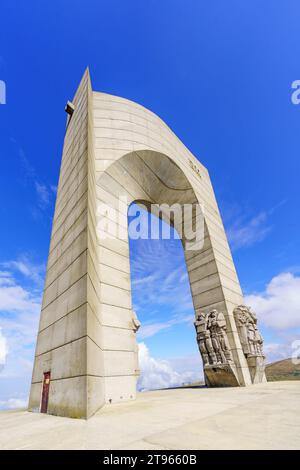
(116, 153)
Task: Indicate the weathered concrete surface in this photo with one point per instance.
(263, 416)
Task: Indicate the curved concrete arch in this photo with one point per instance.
(115, 152)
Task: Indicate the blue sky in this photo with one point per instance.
(220, 75)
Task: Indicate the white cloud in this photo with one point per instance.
(13, 403)
(278, 306)
(6, 279)
(3, 349)
(19, 313)
(189, 363)
(14, 298)
(26, 268)
(277, 351)
(246, 233)
(159, 373)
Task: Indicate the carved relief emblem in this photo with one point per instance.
(195, 168)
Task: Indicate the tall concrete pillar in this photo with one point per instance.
(116, 152)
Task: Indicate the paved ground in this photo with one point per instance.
(265, 416)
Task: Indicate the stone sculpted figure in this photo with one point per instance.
(204, 340)
(212, 338)
(241, 319)
(258, 342)
(251, 334)
(258, 339)
(135, 322)
(250, 337)
(217, 327)
(135, 326)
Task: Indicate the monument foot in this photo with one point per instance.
(221, 375)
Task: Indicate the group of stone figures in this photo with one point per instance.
(250, 337)
(213, 340)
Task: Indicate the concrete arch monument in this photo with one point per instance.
(116, 152)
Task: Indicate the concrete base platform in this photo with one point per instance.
(264, 416)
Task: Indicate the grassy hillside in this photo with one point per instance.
(283, 370)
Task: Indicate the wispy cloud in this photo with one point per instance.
(43, 195)
(244, 228)
(146, 280)
(152, 329)
(13, 403)
(23, 265)
(159, 277)
(3, 349)
(5, 278)
(160, 287)
(28, 172)
(44, 191)
(244, 233)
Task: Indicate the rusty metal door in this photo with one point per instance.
(45, 392)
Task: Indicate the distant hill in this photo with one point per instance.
(283, 370)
